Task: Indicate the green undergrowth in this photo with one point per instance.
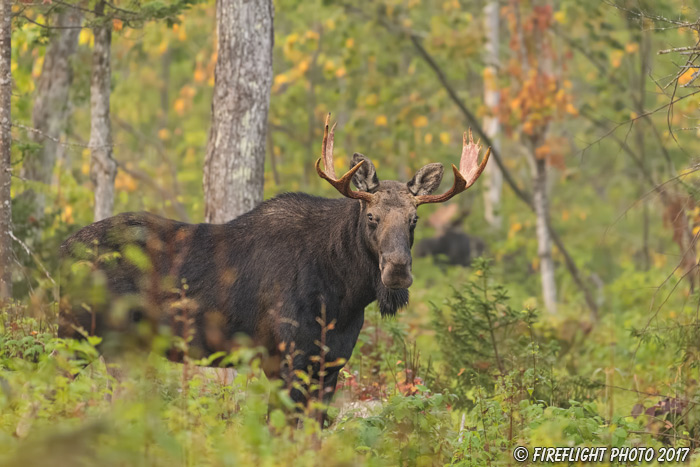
(488, 374)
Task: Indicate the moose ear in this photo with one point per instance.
(365, 179)
(426, 180)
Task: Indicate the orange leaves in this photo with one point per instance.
(188, 91)
(297, 72)
(204, 69)
(184, 101)
(300, 49)
(67, 214)
(539, 20)
(616, 57)
(514, 229)
(303, 66)
(631, 47)
(125, 182)
(534, 103)
(687, 76)
(553, 150)
(164, 134)
(542, 151)
(199, 75)
(312, 35)
(536, 94)
(179, 107)
(381, 120)
(179, 31)
(420, 121)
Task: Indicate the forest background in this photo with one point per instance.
(580, 327)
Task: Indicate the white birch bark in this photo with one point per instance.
(540, 199)
(493, 178)
(5, 146)
(103, 168)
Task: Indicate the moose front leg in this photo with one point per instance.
(311, 386)
(327, 387)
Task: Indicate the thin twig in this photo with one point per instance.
(34, 256)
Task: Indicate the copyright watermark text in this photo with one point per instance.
(600, 454)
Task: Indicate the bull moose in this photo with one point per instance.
(270, 274)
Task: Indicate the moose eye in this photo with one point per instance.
(372, 219)
(414, 220)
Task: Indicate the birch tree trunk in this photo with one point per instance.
(103, 168)
(5, 146)
(50, 105)
(540, 200)
(493, 181)
(235, 159)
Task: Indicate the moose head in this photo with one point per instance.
(388, 208)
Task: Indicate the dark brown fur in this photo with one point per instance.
(267, 275)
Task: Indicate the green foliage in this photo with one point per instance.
(468, 370)
(408, 430)
(484, 338)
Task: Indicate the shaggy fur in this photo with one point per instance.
(267, 276)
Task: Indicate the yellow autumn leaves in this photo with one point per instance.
(301, 50)
(420, 121)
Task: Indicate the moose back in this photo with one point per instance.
(277, 275)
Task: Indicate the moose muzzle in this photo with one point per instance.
(396, 270)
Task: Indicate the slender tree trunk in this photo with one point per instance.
(493, 181)
(235, 159)
(644, 50)
(49, 115)
(540, 194)
(5, 147)
(540, 200)
(273, 158)
(103, 168)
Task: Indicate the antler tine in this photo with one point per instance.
(342, 184)
(468, 172)
(327, 149)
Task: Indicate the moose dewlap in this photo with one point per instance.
(280, 274)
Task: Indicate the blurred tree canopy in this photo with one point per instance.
(596, 105)
(395, 74)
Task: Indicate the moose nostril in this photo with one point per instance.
(396, 278)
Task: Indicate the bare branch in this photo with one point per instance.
(469, 116)
(34, 257)
(678, 49)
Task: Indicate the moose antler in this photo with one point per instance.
(342, 184)
(468, 172)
